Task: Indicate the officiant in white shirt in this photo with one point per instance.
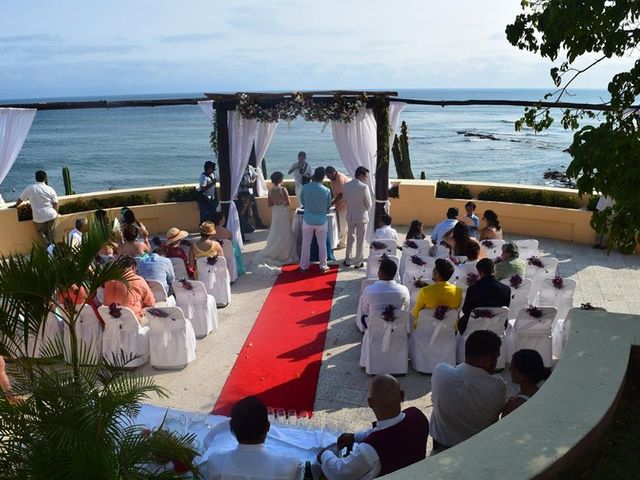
(302, 172)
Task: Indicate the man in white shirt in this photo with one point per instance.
(74, 237)
(251, 459)
(358, 198)
(302, 172)
(397, 439)
(443, 227)
(386, 291)
(467, 398)
(384, 231)
(44, 206)
(207, 201)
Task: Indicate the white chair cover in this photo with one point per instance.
(407, 252)
(520, 297)
(216, 279)
(89, 333)
(494, 323)
(227, 249)
(365, 283)
(538, 274)
(172, 341)
(198, 307)
(413, 271)
(433, 341)
(179, 268)
(410, 283)
(51, 330)
(532, 333)
(493, 251)
(385, 348)
(441, 251)
(124, 336)
(561, 298)
(461, 272)
(100, 295)
(373, 264)
(527, 248)
(390, 247)
(160, 294)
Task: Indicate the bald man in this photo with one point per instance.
(398, 437)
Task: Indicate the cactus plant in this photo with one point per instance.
(400, 152)
(66, 176)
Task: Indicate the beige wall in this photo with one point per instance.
(417, 201)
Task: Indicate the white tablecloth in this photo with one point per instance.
(332, 232)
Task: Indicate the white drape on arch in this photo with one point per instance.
(14, 127)
(395, 108)
(266, 131)
(357, 143)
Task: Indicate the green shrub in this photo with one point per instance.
(291, 188)
(115, 201)
(537, 197)
(452, 190)
(182, 194)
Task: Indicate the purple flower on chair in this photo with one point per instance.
(389, 313)
(440, 312)
(186, 284)
(534, 312)
(515, 281)
(454, 260)
(587, 306)
(488, 243)
(416, 260)
(115, 311)
(212, 260)
(497, 259)
(419, 282)
(536, 262)
(382, 257)
(557, 282)
(472, 279)
(411, 244)
(482, 313)
(156, 312)
(377, 245)
(156, 240)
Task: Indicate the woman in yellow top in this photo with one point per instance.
(207, 246)
(441, 293)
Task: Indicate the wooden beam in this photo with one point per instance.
(224, 160)
(505, 103)
(167, 102)
(381, 113)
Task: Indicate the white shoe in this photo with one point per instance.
(324, 269)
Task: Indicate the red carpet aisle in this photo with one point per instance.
(280, 360)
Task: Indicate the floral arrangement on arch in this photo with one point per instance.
(416, 260)
(440, 312)
(482, 313)
(377, 245)
(534, 312)
(472, 279)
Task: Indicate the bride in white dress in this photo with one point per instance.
(281, 244)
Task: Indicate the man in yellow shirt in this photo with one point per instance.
(441, 293)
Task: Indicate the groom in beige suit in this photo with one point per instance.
(358, 197)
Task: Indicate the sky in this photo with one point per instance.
(117, 47)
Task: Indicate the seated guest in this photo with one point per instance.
(473, 251)
(527, 371)
(156, 267)
(415, 231)
(244, 204)
(441, 293)
(222, 233)
(100, 216)
(487, 292)
(441, 229)
(511, 264)
(471, 220)
(398, 439)
(172, 249)
(206, 246)
(130, 246)
(251, 458)
(385, 291)
(492, 229)
(74, 237)
(467, 398)
(459, 239)
(5, 383)
(384, 231)
(129, 218)
(135, 294)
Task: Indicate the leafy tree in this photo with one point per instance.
(75, 420)
(605, 156)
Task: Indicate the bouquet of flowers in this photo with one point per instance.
(416, 260)
(186, 284)
(411, 244)
(212, 260)
(419, 282)
(488, 243)
(515, 281)
(115, 311)
(557, 282)
(482, 313)
(472, 279)
(440, 312)
(156, 312)
(389, 313)
(377, 245)
(536, 262)
(534, 312)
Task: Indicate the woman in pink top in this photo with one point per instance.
(135, 295)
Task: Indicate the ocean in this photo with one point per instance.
(137, 147)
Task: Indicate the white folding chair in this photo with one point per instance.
(198, 306)
(440, 251)
(384, 246)
(492, 248)
(385, 348)
(160, 294)
(179, 267)
(216, 279)
(433, 341)
(461, 274)
(89, 334)
(124, 338)
(520, 297)
(51, 330)
(537, 274)
(365, 283)
(227, 249)
(421, 249)
(533, 333)
(373, 264)
(561, 298)
(100, 295)
(172, 341)
(414, 285)
(494, 322)
(413, 271)
(527, 248)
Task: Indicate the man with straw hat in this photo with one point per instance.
(172, 249)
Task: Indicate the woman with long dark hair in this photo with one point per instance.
(492, 229)
(527, 371)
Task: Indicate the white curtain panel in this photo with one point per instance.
(207, 108)
(357, 143)
(14, 127)
(242, 133)
(266, 131)
(394, 115)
